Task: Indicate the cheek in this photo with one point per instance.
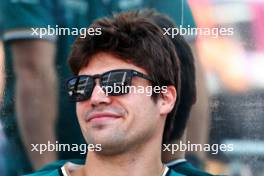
(140, 106)
(79, 110)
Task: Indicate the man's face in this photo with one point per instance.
(118, 122)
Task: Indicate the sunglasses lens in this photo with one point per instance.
(114, 83)
(80, 88)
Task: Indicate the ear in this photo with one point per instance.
(167, 100)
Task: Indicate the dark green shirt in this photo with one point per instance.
(181, 168)
(54, 169)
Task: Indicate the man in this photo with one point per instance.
(36, 62)
(127, 53)
(188, 96)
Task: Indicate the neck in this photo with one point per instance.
(142, 161)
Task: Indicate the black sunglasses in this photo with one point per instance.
(81, 87)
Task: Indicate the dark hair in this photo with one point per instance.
(187, 74)
(134, 39)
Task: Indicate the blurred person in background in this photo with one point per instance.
(234, 69)
(2, 135)
(2, 82)
(32, 64)
(35, 69)
(220, 57)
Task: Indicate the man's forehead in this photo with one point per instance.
(103, 62)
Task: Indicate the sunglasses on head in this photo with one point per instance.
(81, 87)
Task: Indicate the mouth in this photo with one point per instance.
(102, 116)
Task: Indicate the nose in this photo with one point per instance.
(99, 97)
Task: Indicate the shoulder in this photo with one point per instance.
(171, 172)
(52, 169)
(188, 169)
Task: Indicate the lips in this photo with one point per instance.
(102, 116)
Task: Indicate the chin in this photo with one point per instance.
(110, 144)
(109, 149)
